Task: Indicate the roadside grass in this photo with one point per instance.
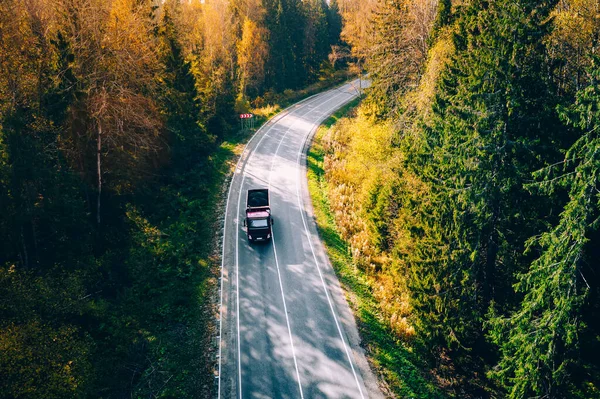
(271, 104)
(397, 364)
(164, 321)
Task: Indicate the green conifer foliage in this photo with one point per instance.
(539, 342)
(316, 38)
(398, 50)
(490, 122)
(282, 20)
(442, 19)
(334, 23)
(180, 99)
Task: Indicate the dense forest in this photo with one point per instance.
(117, 129)
(467, 185)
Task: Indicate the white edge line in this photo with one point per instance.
(275, 253)
(223, 253)
(237, 267)
(237, 285)
(287, 320)
(268, 124)
(315, 256)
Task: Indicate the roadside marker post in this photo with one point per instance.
(247, 121)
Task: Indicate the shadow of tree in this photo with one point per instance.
(399, 364)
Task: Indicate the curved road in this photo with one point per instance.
(286, 329)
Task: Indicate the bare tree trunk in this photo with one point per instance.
(34, 237)
(30, 194)
(99, 169)
(25, 253)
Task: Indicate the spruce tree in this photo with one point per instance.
(397, 51)
(334, 23)
(443, 18)
(316, 37)
(539, 341)
(179, 99)
(284, 22)
(490, 123)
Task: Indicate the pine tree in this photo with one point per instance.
(442, 19)
(398, 50)
(334, 23)
(64, 93)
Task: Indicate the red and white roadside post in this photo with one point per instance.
(247, 121)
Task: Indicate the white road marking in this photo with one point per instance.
(275, 248)
(223, 261)
(237, 284)
(269, 127)
(319, 268)
(287, 320)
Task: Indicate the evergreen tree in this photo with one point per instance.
(39, 193)
(443, 18)
(398, 51)
(284, 22)
(334, 23)
(316, 35)
(491, 122)
(540, 341)
(64, 92)
(180, 103)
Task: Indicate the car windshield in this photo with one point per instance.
(258, 223)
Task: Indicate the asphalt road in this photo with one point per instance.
(286, 329)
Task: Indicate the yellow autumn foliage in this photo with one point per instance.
(576, 24)
(439, 55)
(362, 160)
(359, 158)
